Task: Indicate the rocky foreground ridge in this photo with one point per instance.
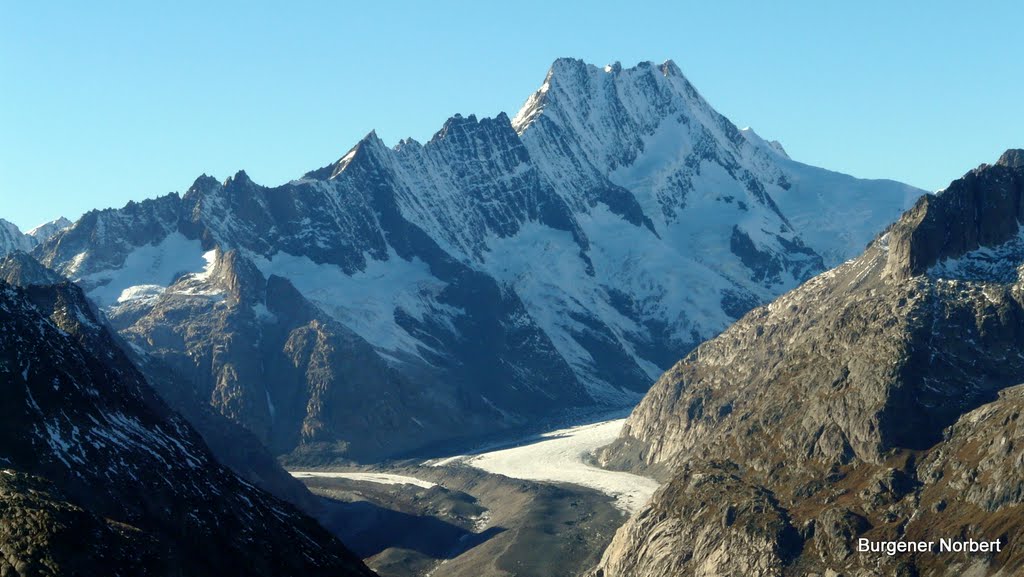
(98, 476)
(879, 400)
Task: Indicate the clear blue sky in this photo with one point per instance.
(104, 102)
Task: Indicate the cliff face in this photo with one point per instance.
(984, 210)
(874, 401)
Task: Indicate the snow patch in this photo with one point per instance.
(367, 301)
(143, 292)
(145, 269)
(379, 478)
(998, 264)
(263, 313)
(211, 263)
(45, 231)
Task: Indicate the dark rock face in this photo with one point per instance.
(878, 400)
(767, 267)
(321, 384)
(20, 269)
(130, 478)
(507, 269)
(979, 461)
(981, 209)
(13, 240)
(43, 534)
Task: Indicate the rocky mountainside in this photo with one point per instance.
(232, 444)
(99, 476)
(504, 270)
(18, 268)
(879, 400)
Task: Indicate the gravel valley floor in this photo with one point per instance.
(534, 505)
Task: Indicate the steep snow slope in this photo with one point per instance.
(146, 271)
(648, 130)
(12, 239)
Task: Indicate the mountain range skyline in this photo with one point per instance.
(185, 102)
(46, 226)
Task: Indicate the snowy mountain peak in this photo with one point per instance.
(756, 140)
(458, 126)
(453, 123)
(408, 142)
(566, 66)
(12, 239)
(581, 88)
(778, 147)
(201, 185)
(44, 231)
(669, 68)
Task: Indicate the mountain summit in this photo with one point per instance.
(505, 270)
